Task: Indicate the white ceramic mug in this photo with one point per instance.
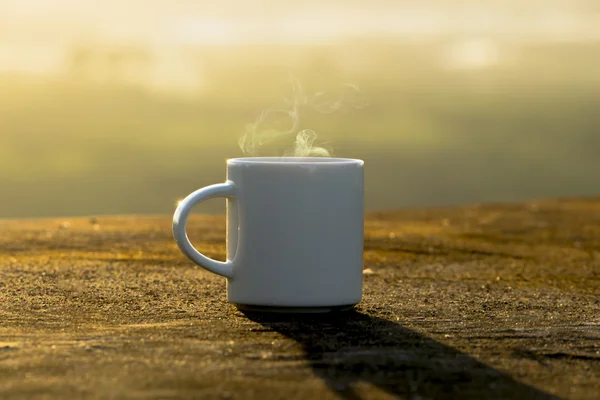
(294, 232)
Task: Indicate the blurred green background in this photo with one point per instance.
(113, 110)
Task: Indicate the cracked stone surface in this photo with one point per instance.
(484, 301)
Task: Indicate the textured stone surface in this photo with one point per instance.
(493, 301)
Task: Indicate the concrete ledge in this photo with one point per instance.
(491, 301)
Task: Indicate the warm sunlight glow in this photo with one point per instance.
(202, 31)
(34, 59)
(121, 104)
(477, 53)
(32, 8)
(37, 35)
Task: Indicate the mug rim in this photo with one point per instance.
(295, 161)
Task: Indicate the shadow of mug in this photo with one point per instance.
(344, 348)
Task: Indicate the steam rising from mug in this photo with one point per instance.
(274, 124)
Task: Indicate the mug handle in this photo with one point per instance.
(182, 212)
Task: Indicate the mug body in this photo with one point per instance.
(295, 231)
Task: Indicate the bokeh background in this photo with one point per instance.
(118, 107)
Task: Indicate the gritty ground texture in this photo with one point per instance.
(498, 301)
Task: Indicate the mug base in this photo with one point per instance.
(293, 310)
